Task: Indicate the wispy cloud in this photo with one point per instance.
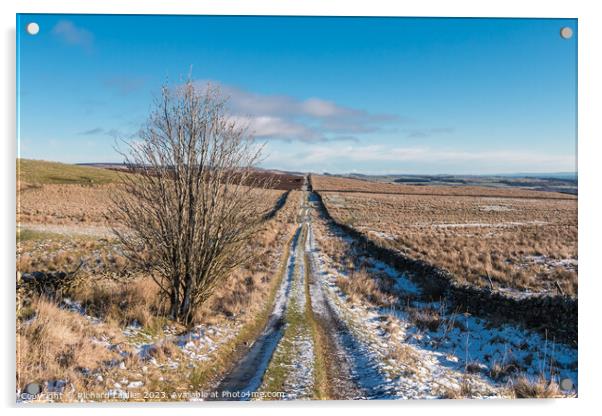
(90, 105)
(125, 85)
(288, 118)
(279, 128)
(71, 34)
(420, 133)
(92, 132)
(378, 156)
(418, 154)
(111, 132)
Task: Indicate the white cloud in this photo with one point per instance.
(273, 127)
(289, 118)
(321, 108)
(71, 34)
(269, 127)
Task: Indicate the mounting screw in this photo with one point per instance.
(566, 32)
(32, 28)
(566, 384)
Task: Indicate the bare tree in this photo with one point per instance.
(189, 204)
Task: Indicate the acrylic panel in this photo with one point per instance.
(295, 208)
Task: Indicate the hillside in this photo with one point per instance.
(43, 172)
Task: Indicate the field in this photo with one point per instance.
(566, 183)
(37, 172)
(342, 184)
(312, 316)
(62, 222)
(519, 239)
(54, 193)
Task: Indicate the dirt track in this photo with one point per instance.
(347, 371)
(356, 353)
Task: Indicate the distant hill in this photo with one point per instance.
(541, 175)
(546, 175)
(42, 172)
(564, 182)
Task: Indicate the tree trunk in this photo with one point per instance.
(186, 312)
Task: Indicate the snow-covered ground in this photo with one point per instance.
(461, 349)
(398, 370)
(382, 352)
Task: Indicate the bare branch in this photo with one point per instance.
(189, 203)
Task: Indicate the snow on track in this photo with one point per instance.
(291, 369)
(248, 373)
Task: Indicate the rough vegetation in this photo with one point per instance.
(341, 184)
(513, 240)
(112, 326)
(354, 326)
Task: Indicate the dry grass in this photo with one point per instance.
(540, 388)
(76, 204)
(361, 286)
(65, 204)
(502, 370)
(57, 193)
(425, 318)
(334, 183)
(121, 303)
(53, 252)
(516, 242)
(405, 358)
(56, 345)
(464, 391)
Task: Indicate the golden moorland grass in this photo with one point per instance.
(110, 291)
(77, 204)
(336, 183)
(524, 243)
(59, 193)
(65, 204)
(56, 344)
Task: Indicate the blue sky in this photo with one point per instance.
(368, 95)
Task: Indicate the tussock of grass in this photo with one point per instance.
(501, 370)
(57, 345)
(425, 318)
(121, 303)
(406, 356)
(464, 391)
(540, 388)
(361, 286)
(43, 172)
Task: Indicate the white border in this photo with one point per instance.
(590, 71)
